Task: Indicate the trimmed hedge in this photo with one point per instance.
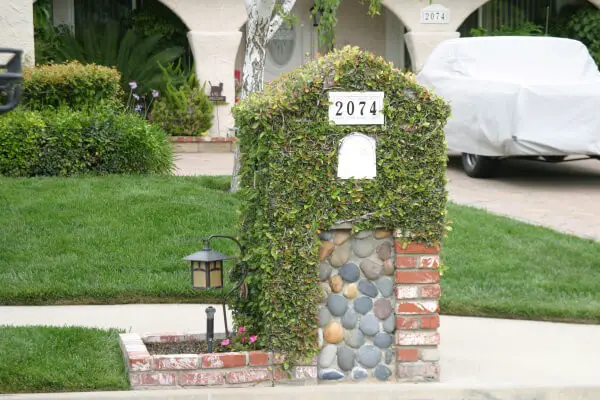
(73, 85)
(64, 142)
(290, 190)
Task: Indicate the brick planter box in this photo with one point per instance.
(202, 144)
(235, 369)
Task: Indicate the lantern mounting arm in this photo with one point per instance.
(240, 282)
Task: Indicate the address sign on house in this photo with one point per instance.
(356, 108)
(435, 14)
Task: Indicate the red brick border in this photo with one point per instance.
(201, 139)
(417, 310)
(215, 369)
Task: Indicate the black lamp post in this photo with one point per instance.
(206, 267)
(316, 15)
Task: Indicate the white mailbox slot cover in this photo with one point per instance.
(356, 157)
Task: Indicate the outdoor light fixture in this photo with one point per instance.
(316, 15)
(206, 267)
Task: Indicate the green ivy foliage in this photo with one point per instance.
(581, 23)
(289, 189)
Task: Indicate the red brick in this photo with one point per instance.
(204, 378)
(248, 376)
(431, 291)
(223, 360)
(408, 292)
(168, 362)
(415, 248)
(280, 374)
(417, 276)
(139, 364)
(406, 261)
(417, 338)
(430, 322)
(407, 322)
(258, 358)
(429, 262)
(407, 354)
(417, 307)
(152, 379)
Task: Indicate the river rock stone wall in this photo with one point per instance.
(356, 314)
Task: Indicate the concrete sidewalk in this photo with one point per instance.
(473, 350)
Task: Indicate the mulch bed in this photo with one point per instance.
(183, 348)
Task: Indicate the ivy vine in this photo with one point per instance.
(290, 190)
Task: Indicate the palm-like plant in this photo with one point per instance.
(134, 56)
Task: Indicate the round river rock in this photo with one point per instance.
(385, 286)
(369, 325)
(337, 304)
(369, 356)
(362, 248)
(350, 272)
(371, 269)
(382, 372)
(368, 288)
(327, 355)
(349, 319)
(354, 338)
(363, 304)
(382, 308)
(345, 357)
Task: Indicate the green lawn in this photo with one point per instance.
(121, 239)
(48, 359)
(109, 239)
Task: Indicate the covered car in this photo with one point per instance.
(516, 96)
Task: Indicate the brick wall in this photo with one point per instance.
(234, 369)
(417, 278)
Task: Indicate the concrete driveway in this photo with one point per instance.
(564, 197)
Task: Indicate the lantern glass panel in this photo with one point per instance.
(216, 274)
(199, 275)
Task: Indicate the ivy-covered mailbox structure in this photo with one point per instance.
(343, 210)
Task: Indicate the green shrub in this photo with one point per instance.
(290, 190)
(184, 111)
(73, 85)
(526, 28)
(580, 23)
(64, 142)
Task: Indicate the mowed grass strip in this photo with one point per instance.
(109, 239)
(500, 267)
(60, 359)
(120, 239)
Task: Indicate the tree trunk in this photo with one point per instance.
(260, 13)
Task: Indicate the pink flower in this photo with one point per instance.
(253, 339)
(244, 339)
(225, 342)
(242, 329)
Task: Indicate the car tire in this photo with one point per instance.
(477, 166)
(554, 159)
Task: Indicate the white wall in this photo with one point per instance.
(16, 27)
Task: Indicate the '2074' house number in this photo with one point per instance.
(356, 108)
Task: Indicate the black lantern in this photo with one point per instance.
(206, 267)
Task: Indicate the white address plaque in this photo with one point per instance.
(356, 108)
(435, 14)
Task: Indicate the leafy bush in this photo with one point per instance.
(64, 142)
(184, 111)
(137, 58)
(290, 190)
(580, 23)
(73, 85)
(527, 28)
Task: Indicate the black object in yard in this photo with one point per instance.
(10, 79)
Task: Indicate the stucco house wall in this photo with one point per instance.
(216, 35)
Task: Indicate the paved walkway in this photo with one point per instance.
(563, 196)
(473, 350)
